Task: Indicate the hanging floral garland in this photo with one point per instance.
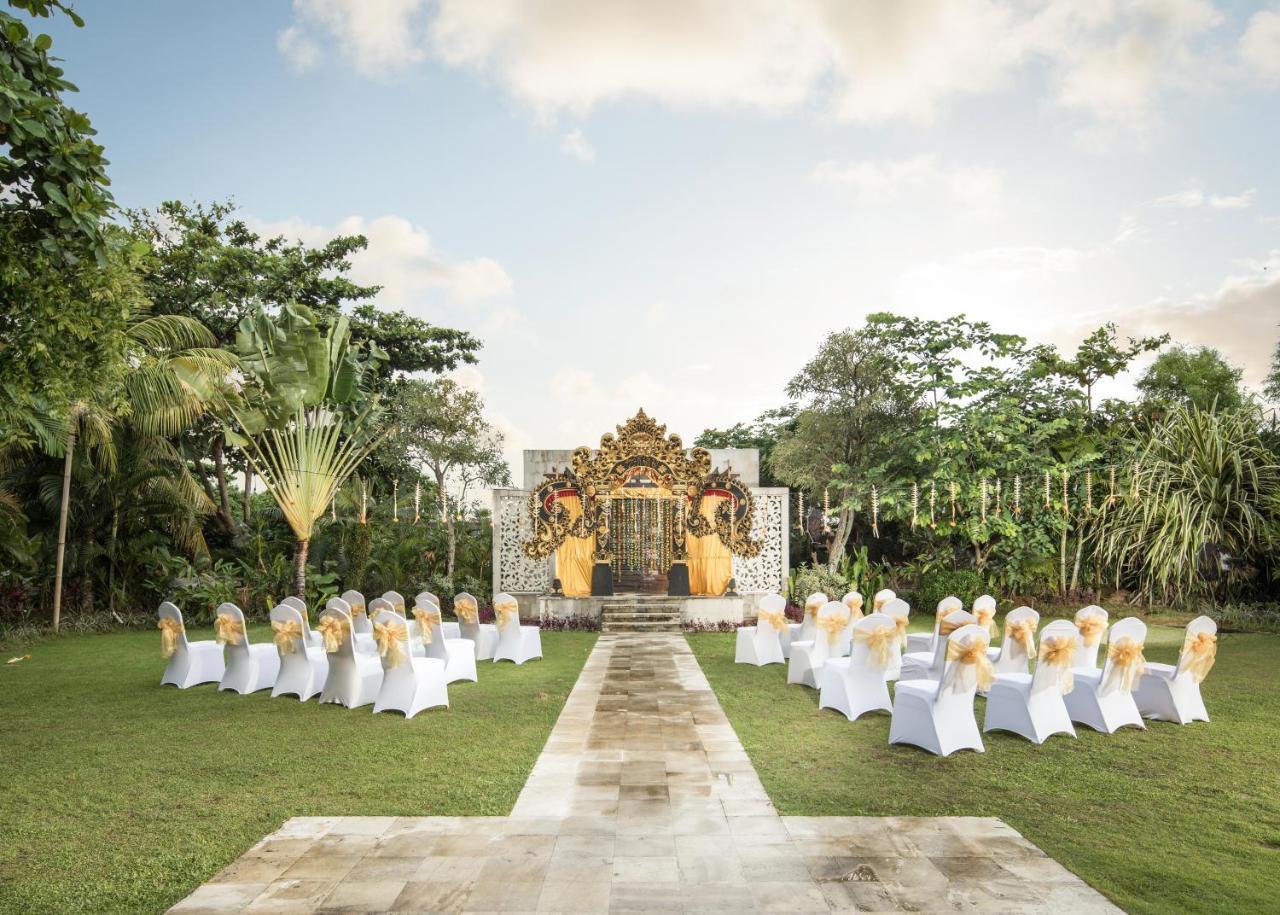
(983, 503)
(875, 511)
(1017, 495)
(999, 508)
(933, 501)
(915, 503)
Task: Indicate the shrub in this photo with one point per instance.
(965, 584)
(1246, 617)
(805, 581)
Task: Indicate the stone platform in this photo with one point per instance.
(643, 800)
(700, 610)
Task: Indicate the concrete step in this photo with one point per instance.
(640, 627)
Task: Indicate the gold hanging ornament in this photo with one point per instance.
(1046, 489)
(875, 511)
(952, 486)
(1017, 495)
(800, 514)
(395, 501)
(983, 504)
(999, 509)
(1065, 499)
(933, 501)
(364, 502)
(417, 502)
(915, 503)
(1088, 491)
(826, 510)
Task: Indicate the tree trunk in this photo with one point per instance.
(62, 521)
(220, 475)
(1075, 569)
(442, 499)
(111, 555)
(839, 539)
(300, 569)
(86, 573)
(248, 492)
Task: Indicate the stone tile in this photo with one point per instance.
(321, 867)
(287, 895)
(645, 870)
(220, 897)
(362, 896)
(589, 895)
(433, 896)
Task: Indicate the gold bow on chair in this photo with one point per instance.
(946, 627)
(227, 629)
(855, 607)
(811, 607)
(1022, 631)
(398, 607)
(943, 613)
(426, 620)
(986, 617)
(879, 642)
(358, 610)
(287, 635)
(832, 625)
(777, 620)
(467, 611)
(332, 629)
(1091, 628)
(1199, 651)
(169, 631)
(1127, 665)
(1059, 651)
(961, 655)
(900, 629)
(506, 612)
(392, 639)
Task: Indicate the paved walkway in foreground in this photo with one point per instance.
(643, 800)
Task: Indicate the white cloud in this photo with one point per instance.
(375, 36)
(1260, 44)
(1194, 197)
(576, 145)
(402, 259)
(869, 181)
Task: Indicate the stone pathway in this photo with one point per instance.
(643, 800)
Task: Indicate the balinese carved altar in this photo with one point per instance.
(640, 514)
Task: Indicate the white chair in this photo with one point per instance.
(883, 596)
(190, 663)
(937, 715)
(484, 635)
(984, 611)
(396, 600)
(807, 658)
(1169, 692)
(409, 684)
(359, 613)
(297, 603)
(249, 668)
(515, 642)
(1031, 704)
(1103, 699)
(451, 630)
(924, 641)
(355, 675)
(363, 638)
(1092, 624)
(853, 602)
(858, 684)
(900, 612)
(803, 631)
(760, 644)
(459, 655)
(929, 665)
(303, 667)
(1018, 646)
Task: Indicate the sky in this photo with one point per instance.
(668, 204)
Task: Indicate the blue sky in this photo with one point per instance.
(668, 204)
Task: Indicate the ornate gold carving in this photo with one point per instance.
(640, 443)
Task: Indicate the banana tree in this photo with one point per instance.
(303, 415)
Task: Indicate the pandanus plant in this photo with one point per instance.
(302, 414)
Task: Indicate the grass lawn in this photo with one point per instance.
(1171, 819)
(123, 796)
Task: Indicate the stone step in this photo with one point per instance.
(639, 627)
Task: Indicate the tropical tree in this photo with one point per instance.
(1271, 386)
(303, 416)
(1203, 506)
(1198, 377)
(441, 426)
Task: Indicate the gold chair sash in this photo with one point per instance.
(1059, 651)
(227, 629)
(766, 618)
(1127, 665)
(1091, 628)
(943, 613)
(467, 611)
(398, 606)
(287, 635)
(900, 628)
(811, 607)
(169, 631)
(879, 642)
(855, 607)
(965, 654)
(1199, 651)
(1023, 632)
(945, 628)
(332, 629)
(358, 610)
(392, 639)
(506, 612)
(986, 617)
(832, 625)
(426, 620)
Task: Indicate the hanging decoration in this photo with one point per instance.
(800, 513)
(417, 502)
(333, 509)
(826, 510)
(1017, 495)
(984, 500)
(999, 508)
(395, 501)
(1111, 487)
(915, 503)
(933, 501)
(1065, 494)
(952, 486)
(1133, 481)
(1046, 489)
(875, 511)
(1088, 491)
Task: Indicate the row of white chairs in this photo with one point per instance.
(354, 656)
(852, 660)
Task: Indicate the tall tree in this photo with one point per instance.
(1198, 377)
(1271, 387)
(441, 426)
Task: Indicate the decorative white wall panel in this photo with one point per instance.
(768, 571)
(513, 571)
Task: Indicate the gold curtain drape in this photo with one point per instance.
(573, 557)
(710, 562)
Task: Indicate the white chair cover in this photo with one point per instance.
(761, 644)
(191, 663)
(1172, 692)
(937, 715)
(803, 631)
(516, 642)
(303, 667)
(355, 674)
(925, 641)
(1086, 654)
(458, 655)
(858, 684)
(483, 635)
(1099, 700)
(359, 612)
(409, 684)
(300, 605)
(808, 657)
(1031, 704)
(929, 665)
(900, 612)
(249, 668)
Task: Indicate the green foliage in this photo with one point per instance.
(1272, 385)
(934, 585)
(1198, 377)
(810, 579)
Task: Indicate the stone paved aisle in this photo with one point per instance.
(643, 800)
